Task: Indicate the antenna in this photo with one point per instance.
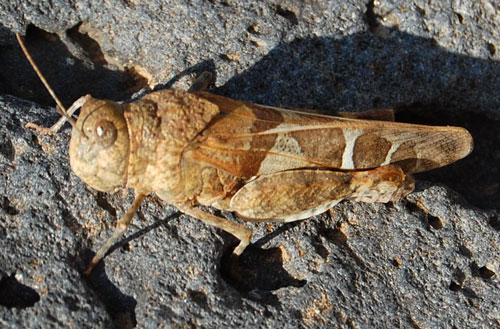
(60, 108)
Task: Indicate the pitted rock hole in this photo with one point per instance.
(8, 207)
(7, 149)
(257, 270)
(15, 294)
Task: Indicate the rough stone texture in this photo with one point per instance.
(429, 261)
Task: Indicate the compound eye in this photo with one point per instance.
(105, 132)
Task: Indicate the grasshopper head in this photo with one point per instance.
(99, 146)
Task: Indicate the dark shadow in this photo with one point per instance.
(477, 177)
(485, 272)
(280, 230)
(196, 70)
(69, 77)
(7, 206)
(14, 294)
(424, 82)
(430, 221)
(141, 232)
(120, 307)
(256, 273)
(494, 222)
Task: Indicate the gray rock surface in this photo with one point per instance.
(429, 261)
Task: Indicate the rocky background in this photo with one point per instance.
(429, 261)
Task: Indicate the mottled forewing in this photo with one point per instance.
(248, 140)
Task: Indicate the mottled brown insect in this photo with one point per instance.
(263, 163)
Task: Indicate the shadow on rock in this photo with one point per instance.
(257, 272)
(14, 294)
(120, 307)
(69, 76)
(423, 82)
(426, 84)
(474, 177)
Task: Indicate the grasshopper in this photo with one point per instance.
(262, 163)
